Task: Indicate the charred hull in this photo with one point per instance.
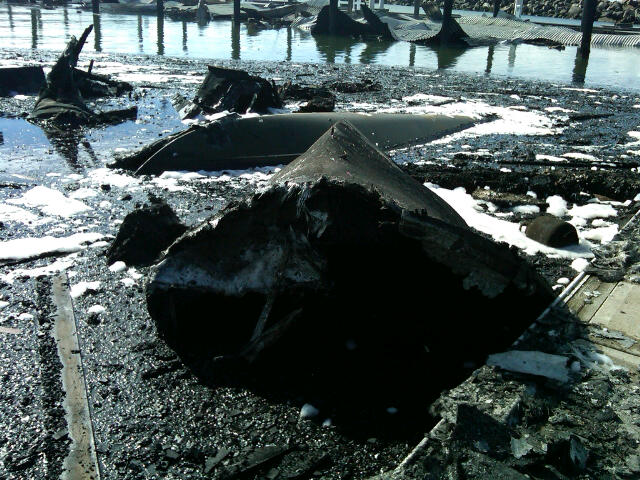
(239, 143)
(364, 299)
(353, 262)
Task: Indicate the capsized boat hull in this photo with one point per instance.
(240, 143)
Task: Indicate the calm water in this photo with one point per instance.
(37, 28)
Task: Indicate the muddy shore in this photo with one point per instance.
(156, 414)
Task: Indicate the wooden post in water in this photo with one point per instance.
(236, 11)
(588, 16)
(350, 6)
(333, 15)
(445, 32)
(95, 4)
(416, 8)
(496, 8)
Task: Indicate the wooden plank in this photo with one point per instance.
(82, 462)
(584, 303)
(621, 310)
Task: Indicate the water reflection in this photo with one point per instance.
(512, 56)
(447, 56)
(329, 48)
(184, 37)
(580, 68)
(34, 28)
(65, 21)
(487, 70)
(160, 34)
(140, 37)
(67, 145)
(235, 41)
(97, 33)
(10, 14)
(373, 50)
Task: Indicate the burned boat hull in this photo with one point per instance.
(240, 143)
(314, 263)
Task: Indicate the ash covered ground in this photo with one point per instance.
(537, 147)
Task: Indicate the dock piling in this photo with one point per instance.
(496, 8)
(95, 5)
(236, 11)
(445, 32)
(586, 26)
(333, 14)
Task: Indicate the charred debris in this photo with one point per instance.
(61, 106)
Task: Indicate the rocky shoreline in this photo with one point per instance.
(626, 11)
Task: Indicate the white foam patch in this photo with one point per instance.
(581, 156)
(128, 282)
(96, 310)
(579, 264)
(28, 248)
(526, 209)
(50, 202)
(423, 97)
(170, 184)
(117, 267)
(9, 213)
(252, 175)
(308, 411)
(509, 121)
(502, 230)
(102, 176)
(81, 288)
(83, 193)
(586, 90)
(55, 267)
(558, 109)
(550, 158)
(134, 274)
(602, 234)
(593, 210)
(557, 206)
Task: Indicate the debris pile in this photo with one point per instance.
(225, 89)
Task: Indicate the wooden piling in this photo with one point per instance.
(496, 8)
(95, 4)
(586, 26)
(236, 11)
(416, 8)
(350, 6)
(160, 7)
(445, 32)
(333, 15)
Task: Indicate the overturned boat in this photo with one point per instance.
(345, 273)
(234, 143)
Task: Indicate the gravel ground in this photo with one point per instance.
(154, 416)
